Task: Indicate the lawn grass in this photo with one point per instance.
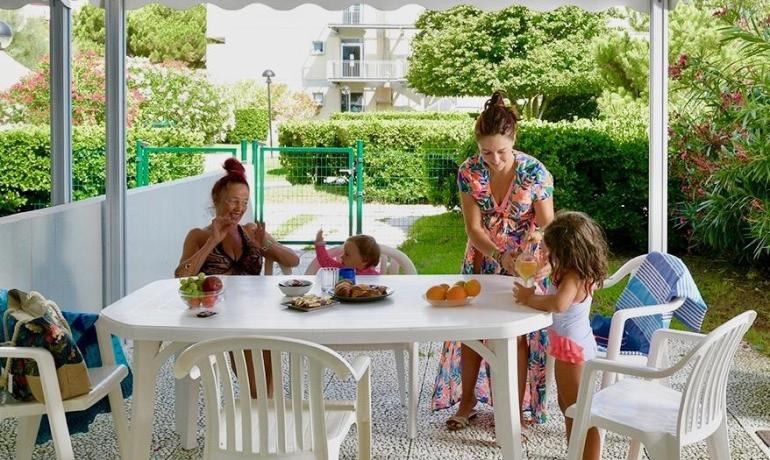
(292, 224)
(436, 244)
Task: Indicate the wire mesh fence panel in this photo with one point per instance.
(304, 190)
(400, 187)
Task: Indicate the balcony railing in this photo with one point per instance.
(366, 70)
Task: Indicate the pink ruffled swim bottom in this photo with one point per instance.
(564, 349)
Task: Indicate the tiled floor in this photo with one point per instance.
(748, 404)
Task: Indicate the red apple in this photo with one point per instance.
(193, 302)
(211, 284)
(209, 301)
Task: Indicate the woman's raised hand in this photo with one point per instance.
(260, 233)
(220, 226)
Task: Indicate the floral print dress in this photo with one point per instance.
(508, 224)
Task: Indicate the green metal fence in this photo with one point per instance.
(310, 188)
(143, 152)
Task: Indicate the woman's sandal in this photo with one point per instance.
(459, 422)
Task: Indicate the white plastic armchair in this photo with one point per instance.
(283, 426)
(661, 418)
(105, 381)
(392, 262)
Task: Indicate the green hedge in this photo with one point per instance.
(250, 123)
(359, 116)
(25, 166)
(599, 167)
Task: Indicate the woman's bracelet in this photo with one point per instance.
(268, 244)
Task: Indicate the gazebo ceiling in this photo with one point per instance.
(588, 5)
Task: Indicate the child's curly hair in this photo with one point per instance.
(575, 242)
(368, 248)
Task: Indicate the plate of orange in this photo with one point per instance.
(461, 293)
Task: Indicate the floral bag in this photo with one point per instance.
(39, 323)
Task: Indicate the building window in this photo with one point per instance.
(352, 102)
(318, 98)
(318, 47)
(352, 14)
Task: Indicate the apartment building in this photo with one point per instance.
(350, 60)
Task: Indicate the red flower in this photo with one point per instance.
(674, 72)
(683, 60)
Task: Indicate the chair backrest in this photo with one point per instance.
(704, 396)
(392, 261)
(236, 423)
(628, 268)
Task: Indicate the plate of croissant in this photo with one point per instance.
(345, 291)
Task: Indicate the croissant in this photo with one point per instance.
(342, 289)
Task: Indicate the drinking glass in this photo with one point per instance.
(526, 267)
(327, 278)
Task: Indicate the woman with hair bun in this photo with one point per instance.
(506, 199)
(225, 247)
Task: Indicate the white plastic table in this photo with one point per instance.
(154, 315)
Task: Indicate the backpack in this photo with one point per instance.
(40, 323)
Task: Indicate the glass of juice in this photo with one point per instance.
(526, 266)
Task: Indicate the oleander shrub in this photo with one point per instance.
(25, 166)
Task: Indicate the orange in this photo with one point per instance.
(460, 283)
(445, 286)
(473, 287)
(456, 293)
(436, 293)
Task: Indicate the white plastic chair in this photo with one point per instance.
(105, 381)
(618, 325)
(650, 412)
(392, 262)
(293, 427)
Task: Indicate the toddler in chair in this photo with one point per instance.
(577, 252)
(359, 251)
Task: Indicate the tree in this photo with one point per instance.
(155, 31)
(30, 38)
(535, 57)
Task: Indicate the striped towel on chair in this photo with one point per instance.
(660, 279)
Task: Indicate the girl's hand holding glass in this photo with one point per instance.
(522, 294)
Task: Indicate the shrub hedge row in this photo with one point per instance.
(25, 162)
(599, 167)
(250, 123)
(402, 116)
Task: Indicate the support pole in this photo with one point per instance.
(115, 203)
(658, 174)
(60, 34)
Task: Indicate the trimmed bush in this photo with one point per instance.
(599, 167)
(359, 116)
(25, 163)
(250, 123)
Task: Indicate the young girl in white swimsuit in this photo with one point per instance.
(577, 252)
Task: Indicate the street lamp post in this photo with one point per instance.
(269, 74)
(346, 93)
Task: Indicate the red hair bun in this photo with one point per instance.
(233, 166)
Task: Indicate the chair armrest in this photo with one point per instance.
(40, 355)
(623, 271)
(618, 324)
(606, 365)
(661, 336)
(360, 366)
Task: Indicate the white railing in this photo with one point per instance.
(366, 70)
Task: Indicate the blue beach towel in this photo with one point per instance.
(660, 279)
(83, 327)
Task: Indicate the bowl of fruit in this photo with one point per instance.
(201, 291)
(461, 293)
(295, 288)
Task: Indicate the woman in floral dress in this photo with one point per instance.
(506, 197)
